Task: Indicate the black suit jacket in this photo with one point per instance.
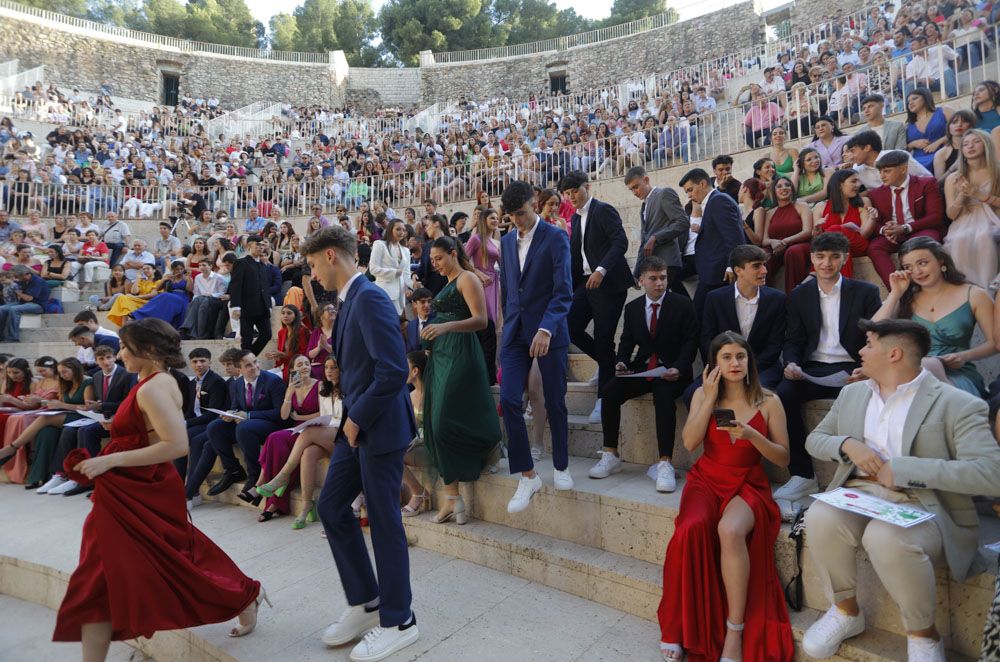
(676, 340)
(413, 342)
(214, 394)
(767, 334)
(721, 231)
(248, 288)
(121, 383)
(858, 300)
(605, 244)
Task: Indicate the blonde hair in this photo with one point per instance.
(989, 155)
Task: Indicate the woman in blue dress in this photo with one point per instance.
(170, 305)
(926, 126)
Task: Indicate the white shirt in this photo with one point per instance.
(885, 419)
(905, 195)
(868, 174)
(584, 213)
(649, 308)
(776, 85)
(105, 332)
(524, 242)
(342, 295)
(746, 310)
(212, 286)
(829, 349)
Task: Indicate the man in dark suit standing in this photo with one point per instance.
(536, 301)
(257, 396)
(421, 302)
(426, 275)
(822, 339)
(660, 331)
(664, 224)
(205, 389)
(907, 206)
(248, 291)
(601, 277)
(751, 309)
(716, 219)
(378, 426)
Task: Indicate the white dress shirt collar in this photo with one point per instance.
(739, 295)
(342, 295)
(833, 292)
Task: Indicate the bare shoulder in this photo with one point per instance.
(158, 391)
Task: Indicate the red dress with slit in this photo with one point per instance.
(143, 566)
(693, 608)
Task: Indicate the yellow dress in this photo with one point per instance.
(126, 303)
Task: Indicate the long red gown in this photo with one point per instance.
(693, 608)
(143, 566)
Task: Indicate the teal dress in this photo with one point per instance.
(47, 439)
(461, 426)
(953, 333)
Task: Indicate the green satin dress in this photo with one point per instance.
(953, 333)
(461, 426)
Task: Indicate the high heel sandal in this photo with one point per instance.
(10, 457)
(672, 648)
(244, 630)
(458, 511)
(734, 627)
(273, 488)
(268, 515)
(423, 505)
(253, 497)
(308, 515)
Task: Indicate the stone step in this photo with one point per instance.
(580, 367)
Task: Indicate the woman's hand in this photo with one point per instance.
(740, 430)
(920, 143)
(953, 361)
(432, 331)
(899, 281)
(96, 466)
(710, 383)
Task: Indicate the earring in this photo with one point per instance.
(944, 270)
(746, 378)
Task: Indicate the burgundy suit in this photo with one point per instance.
(927, 208)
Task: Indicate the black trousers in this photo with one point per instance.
(605, 309)
(794, 395)
(488, 341)
(255, 333)
(677, 278)
(619, 390)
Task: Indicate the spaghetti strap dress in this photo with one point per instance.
(951, 334)
(143, 566)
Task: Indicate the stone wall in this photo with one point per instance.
(370, 88)
(673, 46)
(807, 14)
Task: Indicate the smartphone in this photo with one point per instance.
(724, 418)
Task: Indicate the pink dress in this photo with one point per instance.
(492, 291)
(279, 445)
(17, 469)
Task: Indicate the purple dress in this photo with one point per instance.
(320, 360)
(492, 290)
(279, 445)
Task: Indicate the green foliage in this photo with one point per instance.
(284, 32)
(411, 26)
(625, 11)
(76, 8)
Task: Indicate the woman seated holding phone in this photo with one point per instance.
(722, 599)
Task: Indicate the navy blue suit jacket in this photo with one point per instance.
(111, 341)
(539, 297)
(413, 343)
(268, 395)
(767, 333)
(721, 231)
(373, 369)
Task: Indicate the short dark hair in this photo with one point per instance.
(914, 332)
(200, 353)
(229, 355)
(873, 98)
(166, 225)
(745, 253)
(420, 294)
(652, 263)
(634, 173)
(335, 237)
(254, 239)
(695, 176)
(80, 330)
(574, 179)
(515, 195)
(242, 354)
(830, 241)
(894, 157)
(103, 350)
(722, 159)
(865, 139)
(84, 316)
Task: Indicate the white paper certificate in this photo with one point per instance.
(836, 380)
(658, 371)
(854, 501)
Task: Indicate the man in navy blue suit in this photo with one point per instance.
(378, 427)
(421, 301)
(601, 277)
(537, 297)
(256, 395)
(717, 220)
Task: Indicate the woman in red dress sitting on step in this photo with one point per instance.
(143, 566)
(721, 593)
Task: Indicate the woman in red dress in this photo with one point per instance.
(787, 225)
(719, 568)
(143, 566)
(293, 339)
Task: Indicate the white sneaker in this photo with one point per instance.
(64, 488)
(924, 649)
(666, 479)
(381, 642)
(607, 465)
(562, 480)
(797, 488)
(537, 452)
(193, 502)
(526, 488)
(52, 483)
(824, 637)
(595, 415)
(353, 623)
(596, 379)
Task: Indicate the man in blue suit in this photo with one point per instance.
(537, 297)
(720, 229)
(378, 427)
(257, 395)
(421, 301)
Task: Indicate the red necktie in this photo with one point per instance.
(107, 383)
(249, 397)
(898, 205)
(653, 319)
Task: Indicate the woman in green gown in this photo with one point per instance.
(461, 427)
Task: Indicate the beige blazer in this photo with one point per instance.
(949, 455)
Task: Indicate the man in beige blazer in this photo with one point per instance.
(903, 436)
(892, 132)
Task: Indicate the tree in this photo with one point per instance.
(625, 11)
(221, 22)
(76, 8)
(410, 26)
(166, 17)
(284, 32)
(535, 20)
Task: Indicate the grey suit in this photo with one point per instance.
(948, 454)
(893, 134)
(663, 217)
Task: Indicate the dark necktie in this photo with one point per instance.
(107, 384)
(898, 205)
(653, 320)
(249, 396)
